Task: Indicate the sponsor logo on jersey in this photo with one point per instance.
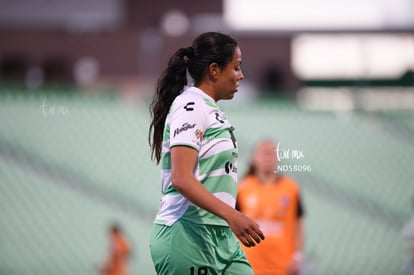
(230, 167)
(186, 126)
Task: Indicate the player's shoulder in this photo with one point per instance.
(247, 182)
(191, 99)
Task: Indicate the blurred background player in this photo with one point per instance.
(117, 261)
(273, 201)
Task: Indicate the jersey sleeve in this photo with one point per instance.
(300, 209)
(188, 123)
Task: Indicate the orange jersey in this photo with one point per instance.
(275, 208)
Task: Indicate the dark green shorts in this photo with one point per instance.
(187, 248)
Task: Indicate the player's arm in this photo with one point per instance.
(299, 231)
(183, 163)
(299, 239)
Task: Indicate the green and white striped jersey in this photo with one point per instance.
(196, 121)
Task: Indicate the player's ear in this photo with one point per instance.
(213, 71)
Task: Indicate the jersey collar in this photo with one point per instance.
(202, 93)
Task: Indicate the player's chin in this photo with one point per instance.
(231, 95)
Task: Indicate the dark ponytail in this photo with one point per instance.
(207, 48)
(170, 85)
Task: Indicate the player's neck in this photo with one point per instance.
(267, 177)
(207, 88)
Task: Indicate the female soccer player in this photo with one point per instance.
(193, 141)
(274, 202)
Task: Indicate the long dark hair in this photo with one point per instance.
(207, 48)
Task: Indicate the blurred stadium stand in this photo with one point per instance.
(64, 176)
(74, 117)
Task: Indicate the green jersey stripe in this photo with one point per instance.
(216, 133)
(165, 162)
(224, 183)
(217, 161)
(166, 135)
